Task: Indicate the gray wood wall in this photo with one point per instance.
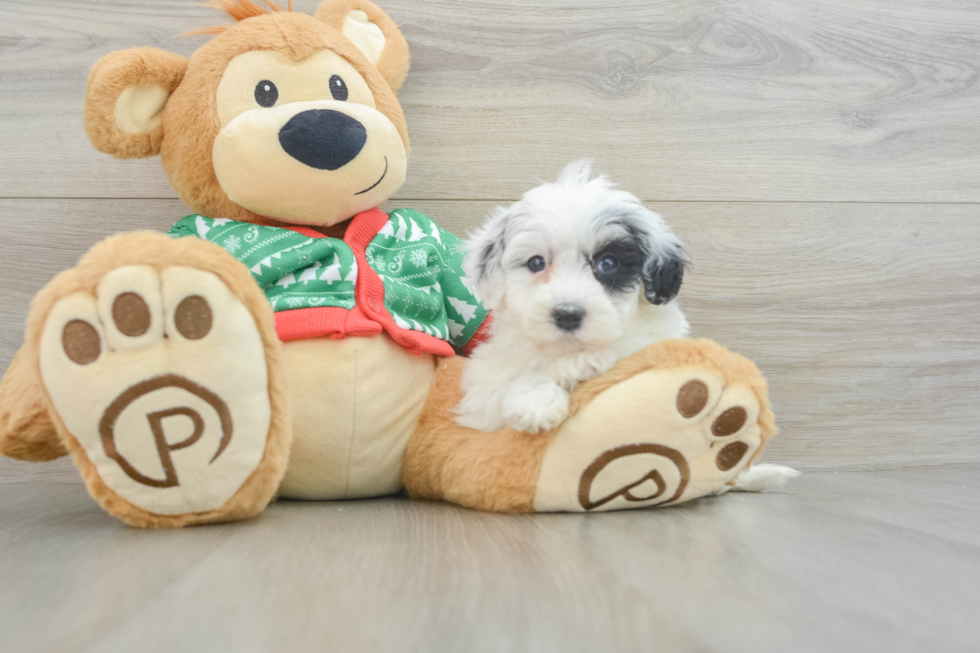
(820, 157)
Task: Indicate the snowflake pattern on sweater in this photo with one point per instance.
(419, 263)
(422, 270)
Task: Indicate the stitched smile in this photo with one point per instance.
(377, 182)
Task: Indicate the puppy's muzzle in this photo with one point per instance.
(568, 317)
(323, 138)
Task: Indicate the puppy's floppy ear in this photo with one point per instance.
(125, 97)
(663, 275)
(373, 33)
(484, 257)
(664, 256)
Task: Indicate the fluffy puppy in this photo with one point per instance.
(578, 275)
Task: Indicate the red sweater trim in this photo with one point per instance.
(484, 333)
(369, 316)
(332, 321)
(306, 231)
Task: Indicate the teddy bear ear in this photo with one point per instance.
(125, 97)
(376, 35)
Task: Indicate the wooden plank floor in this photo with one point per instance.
(865, 561)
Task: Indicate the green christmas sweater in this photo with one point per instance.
(399, 273)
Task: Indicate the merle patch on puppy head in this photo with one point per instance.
(617, 265)
(664, 256)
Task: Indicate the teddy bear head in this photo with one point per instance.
(282, 117)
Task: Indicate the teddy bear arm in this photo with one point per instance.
(26, 430)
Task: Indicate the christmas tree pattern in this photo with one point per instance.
(420, 265)
(430, 293)
(294, 270)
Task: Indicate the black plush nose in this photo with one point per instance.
(568, 317)
(322, 138)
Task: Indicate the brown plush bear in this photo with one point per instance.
(292, 338)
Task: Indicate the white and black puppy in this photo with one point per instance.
(578, 275)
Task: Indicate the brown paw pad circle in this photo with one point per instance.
(692, 398)
(729, 422)
(193, 317)
(81, 342)
(636, 473)
(131, 314)
(730, 455)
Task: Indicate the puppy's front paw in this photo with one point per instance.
(535, 408)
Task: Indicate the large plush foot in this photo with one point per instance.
(678, 421)
(160, 361)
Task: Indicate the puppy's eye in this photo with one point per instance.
(607, 265)
(536, 264)
(266, 93)
(338, 89)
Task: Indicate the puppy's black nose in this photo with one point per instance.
(322, 138)
(568, 317)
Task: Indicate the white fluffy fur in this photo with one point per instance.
(522, 376)
(760, 478)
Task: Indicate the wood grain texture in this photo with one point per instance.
(56, 472)
(678, 99)
(863, 317)
(870, 561)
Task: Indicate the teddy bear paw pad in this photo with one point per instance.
(660, 437)
(162, 378)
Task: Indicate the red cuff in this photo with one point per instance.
(483, 334)
(333, 321)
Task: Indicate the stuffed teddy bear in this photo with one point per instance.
(291, 338)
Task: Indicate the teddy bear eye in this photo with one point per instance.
(266, 93)
(338, 89)
(536, 263)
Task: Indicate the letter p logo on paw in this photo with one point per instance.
(141, 398)
(646, 473)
